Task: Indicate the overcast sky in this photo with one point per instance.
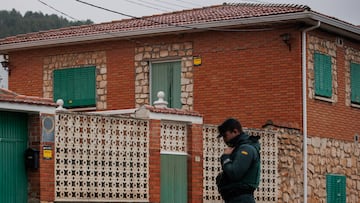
(347, 10)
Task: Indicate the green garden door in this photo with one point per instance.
(173, 178)
(13, 143)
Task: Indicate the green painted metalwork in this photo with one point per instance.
(166, 77)
(76, 86)
(355, 82)
(335, 188)
(323, 75)
(173, 178)
(13, 143)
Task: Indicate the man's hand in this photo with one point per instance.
(228, 150)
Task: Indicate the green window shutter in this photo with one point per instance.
(76, 86)
(355, 82)
(166, 77)
(323, 75)
(173, 178)
(335, 188)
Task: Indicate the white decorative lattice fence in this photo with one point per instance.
(101, 158)
(173, 137)
(213, 149)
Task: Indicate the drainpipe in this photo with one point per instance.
(304, 78)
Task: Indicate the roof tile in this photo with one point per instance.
(179, 18)
(10, 96)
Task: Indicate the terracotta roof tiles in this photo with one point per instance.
(179, 18)
(10, 96)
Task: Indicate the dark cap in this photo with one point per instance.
(229, 125)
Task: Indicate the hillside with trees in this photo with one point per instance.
(13, 23)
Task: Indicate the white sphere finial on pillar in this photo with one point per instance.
(160, 103)
(60, 104)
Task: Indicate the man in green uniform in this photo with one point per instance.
(240, 163)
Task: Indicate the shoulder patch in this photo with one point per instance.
(244, 152)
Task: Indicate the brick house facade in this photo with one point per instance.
(248, 70)
(249, 73)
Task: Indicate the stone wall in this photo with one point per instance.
(351, 56)
(75, 60)
(290, 167)
(164, 52)
(325, 156)
(324, 47)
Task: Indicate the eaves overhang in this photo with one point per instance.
(27, 108)
(327, 23)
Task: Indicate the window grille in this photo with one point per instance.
(101, 158)
(213, 149)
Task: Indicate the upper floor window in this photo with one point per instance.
(323, 75)
(76, 86)
(166, 77)
(355, 83)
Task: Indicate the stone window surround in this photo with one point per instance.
(325, 47)
(144, 55)
(76, 60)
(351, 56)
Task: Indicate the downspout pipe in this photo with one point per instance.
(304, 97)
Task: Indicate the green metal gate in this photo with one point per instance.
(173, 178)
(13, 143)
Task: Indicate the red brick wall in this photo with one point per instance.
(41, 180)
(34, 143)
(27, 71)
(154, 167)
(248, 75)
(121, 75)
(195, 163)
(334, 120)
(47, 177)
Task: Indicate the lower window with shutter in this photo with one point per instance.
(76, 86)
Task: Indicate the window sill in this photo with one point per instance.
(355, 105)
(324, 99)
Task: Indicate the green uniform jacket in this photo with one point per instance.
(241, 169)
